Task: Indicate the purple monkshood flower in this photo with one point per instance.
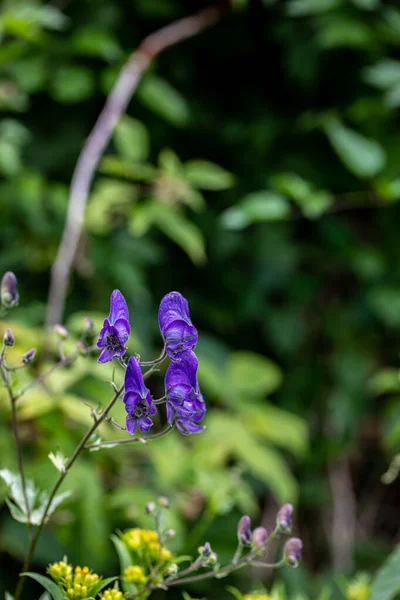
(138, 402)
(116, 329)
(185, 403)
(175, 325)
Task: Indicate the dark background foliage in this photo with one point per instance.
(299, 100)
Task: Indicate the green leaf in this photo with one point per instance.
(8, 596)
(257, 207)
(72, 84)
(253, 374)
(100, 585)
(132, 139)
(387, 582)
(238, 595)
(47, 583)
(98, 42)
(207, 175)
(125, 561)
(367, 4)
(173, 224)
(302, 8)
(383, 74)
(160, 97)
(362, 156)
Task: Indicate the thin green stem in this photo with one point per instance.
(59, 481)
(113, 443)
(15, 427)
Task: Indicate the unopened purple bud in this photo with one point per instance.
(260, 536)
(29, 356)
(244, 530)
(9, 290)
(284, 518)
(8, 338)
(61, 331)
(293, 548)
(164, 502)
(82, 349)
(205, 550)
(150, 508)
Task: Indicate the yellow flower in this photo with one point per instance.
(257, 597)
(59, 570)
(135, 574)
(111, 595)
(165, 554)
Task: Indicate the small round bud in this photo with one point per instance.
(8, 338)
(9, 290)
(170, 533)
(82, 349)
(213, 558)
(171, 570)
(28, 357)
(164, 502)
(293, 548)
(150, 508)
(284, 518)
(61, 331)
(260, 536)
(244, 530)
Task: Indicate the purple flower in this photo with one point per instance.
(116, 329)
(175, 325)
(284, 517)
(292, 552)
(244, 530)
(185, 403)
(138, 402)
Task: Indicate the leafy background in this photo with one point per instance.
(257, 172)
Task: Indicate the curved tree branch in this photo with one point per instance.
(99, 137)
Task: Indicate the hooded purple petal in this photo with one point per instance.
(118, 308)
(175, 325)
(182, 373)
(138, 401)
(173, 307)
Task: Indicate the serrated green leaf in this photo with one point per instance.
(132, 139)
(207, 175)
(362, 156)
(47, 583)
(387, 581)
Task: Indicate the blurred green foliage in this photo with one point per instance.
(258, 173)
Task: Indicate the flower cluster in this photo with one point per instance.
(135, 574)
(184, 403)
(112, 594)
(145, 544)
(77, 584)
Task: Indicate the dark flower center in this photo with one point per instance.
(140, 410)
(113, 342)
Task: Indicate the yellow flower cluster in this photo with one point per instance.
(257, 597)
(358, 590)
(135, 574)
(111, 595)
(59, 570)
(77, 583)
(146, 540)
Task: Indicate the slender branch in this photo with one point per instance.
(59, 481)
(100, 136)
(208, 575)
(61, 363)
(113, 443)
(5, 374)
